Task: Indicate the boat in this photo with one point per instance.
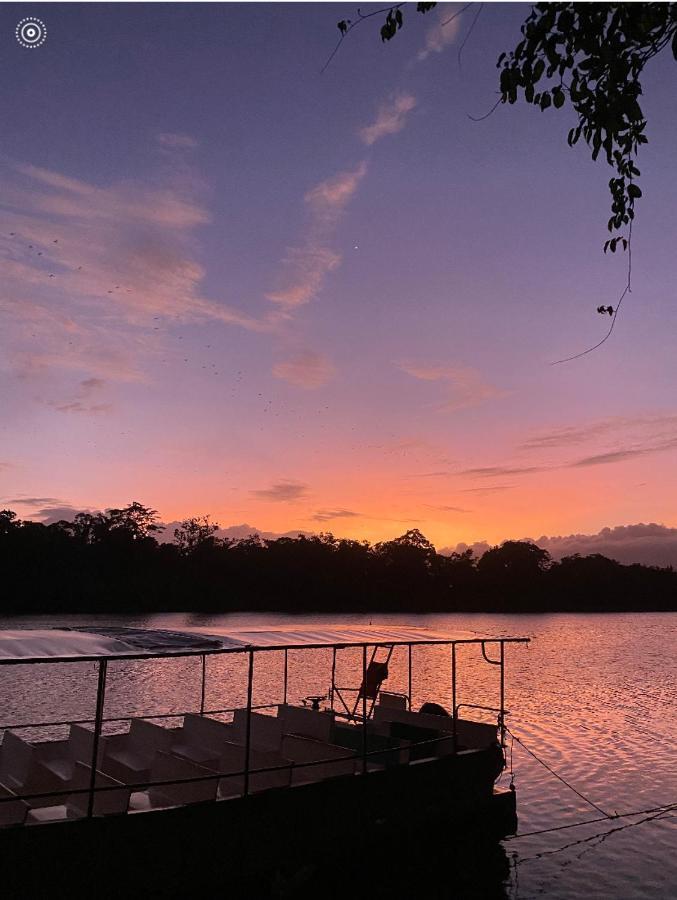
(165, 802)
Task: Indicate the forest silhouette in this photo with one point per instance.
(112, 562)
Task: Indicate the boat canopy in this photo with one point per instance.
(118, 642)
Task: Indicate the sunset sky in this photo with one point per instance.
(231, 285)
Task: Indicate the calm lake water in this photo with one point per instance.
(595, 696)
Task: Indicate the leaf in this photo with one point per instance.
(558, 98)
(634, 191)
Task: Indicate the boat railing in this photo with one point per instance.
(116, 719)
(212, 776)
(361, 717)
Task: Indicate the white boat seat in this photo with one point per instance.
(394, 701)
(331, 759)
(232, 759)
(60, 756)
(165, 767)
(305, 721)
(22, 771)
(265, 731)
(129, 757)
(76, 806)
(47, 814)
(106, 803)
(12, 812)
(469, 735)
(201, 738)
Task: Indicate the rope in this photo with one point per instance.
(637, 812)
(563, 780)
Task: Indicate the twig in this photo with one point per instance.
(469, 32)
(626, 290)
(386, 9)
(455, 15)
(486, 115)
(376, 12)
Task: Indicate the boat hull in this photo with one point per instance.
(267, 839)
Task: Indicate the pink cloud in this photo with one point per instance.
(305, 369)
(306, 265)
(443, 32)
(84, 271)
(390, 118)
(464, 386)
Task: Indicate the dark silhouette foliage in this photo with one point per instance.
(112, 562)
(590, 55)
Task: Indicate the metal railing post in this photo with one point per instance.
(333, 677)
(248, 733)
(204, 680)
(409, 683)
(98, 720)
(454, 707)
(364, 709)
(286, 669)
(502, 704)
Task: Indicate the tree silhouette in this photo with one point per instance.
(111, 562)
(194, 533)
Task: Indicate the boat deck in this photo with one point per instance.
(150, 766)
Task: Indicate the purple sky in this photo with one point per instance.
(230, 285)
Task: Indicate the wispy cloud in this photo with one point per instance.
(641, 427)
(326, 515)
(616, 456)
(46, 510)
(84, 268)
(85, 399)
(454, 509)
(177, 141)
(490, 489)
(390, 118)
(283, 492)
(305, 369)
(464, 386)
(443, 31)
(306, 265)
(502, 471)
(33, 501)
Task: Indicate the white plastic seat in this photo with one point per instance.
(12, 812)
(22, 771)
(60, 756)
(233, 759)
(468, 734)
(106, 803)
(129, 757)
(202, 739)
(265, 731)
(166, 767)
(307, 722)
(330, 759)
(393, 701)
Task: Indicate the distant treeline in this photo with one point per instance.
(112, 562)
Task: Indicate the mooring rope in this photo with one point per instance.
(638, 812)
(563, 780)
(605, 817)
